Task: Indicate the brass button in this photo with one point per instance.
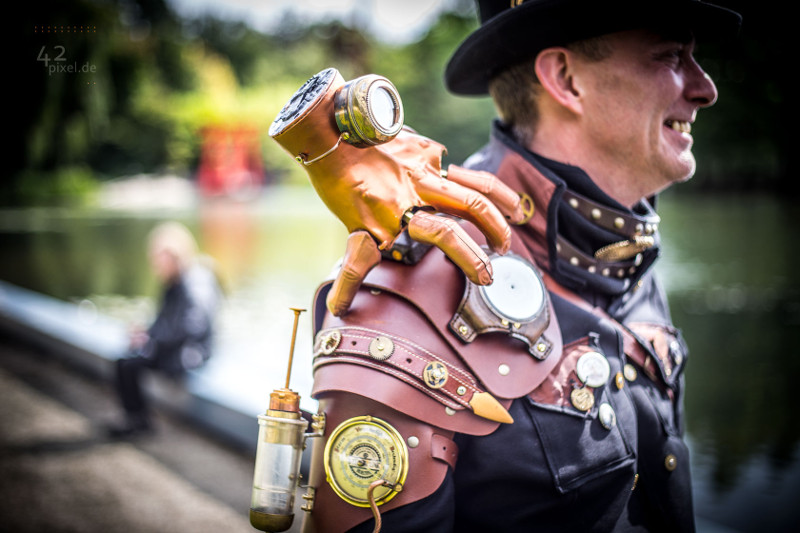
(582, 399)
(670, 462)
(619, 380)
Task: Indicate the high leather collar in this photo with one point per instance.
(574, 219)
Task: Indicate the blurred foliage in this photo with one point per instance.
(155, 81)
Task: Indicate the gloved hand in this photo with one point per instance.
(377, 191)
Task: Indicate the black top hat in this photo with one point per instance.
(514, 30)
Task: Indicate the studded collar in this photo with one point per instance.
(586, 240)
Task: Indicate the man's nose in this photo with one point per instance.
(700, 88)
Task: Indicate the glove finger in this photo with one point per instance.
(488, 185)
(361, 256)
(455, 199)
(448, 236)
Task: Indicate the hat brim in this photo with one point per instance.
(523, 31)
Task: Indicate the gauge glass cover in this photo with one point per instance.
(363, 450)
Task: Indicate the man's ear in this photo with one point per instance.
(555, 70)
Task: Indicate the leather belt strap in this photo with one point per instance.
(613, 220)
(407, 362)
(444, 449)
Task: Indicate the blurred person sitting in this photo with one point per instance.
(181, 336)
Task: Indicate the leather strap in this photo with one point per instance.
(632, 346)
(407, 361)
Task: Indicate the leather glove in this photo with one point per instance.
(379, 190)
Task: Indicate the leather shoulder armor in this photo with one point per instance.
(427, 342)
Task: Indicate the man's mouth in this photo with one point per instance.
(681, 126)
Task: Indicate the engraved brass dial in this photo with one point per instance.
(363, 450)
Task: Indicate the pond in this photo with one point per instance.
(727, 266)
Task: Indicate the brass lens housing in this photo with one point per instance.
(368, 111)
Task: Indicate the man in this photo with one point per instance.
(181, 335)
(455, 406)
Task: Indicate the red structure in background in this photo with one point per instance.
(230, 161)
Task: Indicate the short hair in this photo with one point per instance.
(516, 89)
(175, 239)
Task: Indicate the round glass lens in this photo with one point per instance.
(383, 108)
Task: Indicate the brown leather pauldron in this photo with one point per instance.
(397, 346)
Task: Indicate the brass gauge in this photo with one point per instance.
(361, 451)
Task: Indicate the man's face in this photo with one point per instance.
(640, 104)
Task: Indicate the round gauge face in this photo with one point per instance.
(363, 450)
(517, 293)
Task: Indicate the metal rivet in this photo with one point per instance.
(462, 329)
(638, 259)
(504, 369)
(375, 292)
(574, 261)
(670, 462)
(461, 391)
(621, 273)
(573, 202)
(619, 380)
(397, 255)
(619, 223)
(541, 347)
(504, 322)
(413, 441)
(596, 213)
(606, 272)
(592, 269)
(630, 372)
(449, 411)
(639, 228)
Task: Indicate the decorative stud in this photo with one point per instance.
(329, 342)
(381, 348)
(435, 375)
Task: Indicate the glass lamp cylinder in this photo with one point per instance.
(277, 471)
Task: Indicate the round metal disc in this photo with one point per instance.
(517, 292)
(593, 369)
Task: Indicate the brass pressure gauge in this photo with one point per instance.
(368, 111)
(359, 452)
